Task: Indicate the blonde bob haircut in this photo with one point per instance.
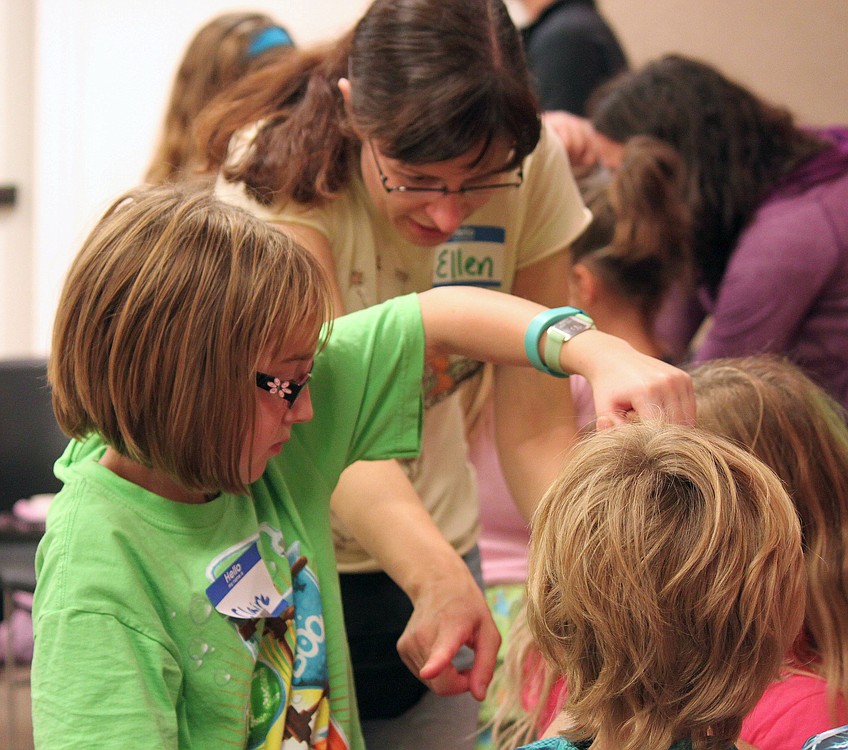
(666, 583)
(771, 407)
(165, 314)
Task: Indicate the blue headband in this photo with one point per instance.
(273, 36)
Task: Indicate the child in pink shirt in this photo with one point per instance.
(770, 406)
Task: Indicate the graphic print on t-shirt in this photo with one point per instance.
(473, 256)
(278, 613)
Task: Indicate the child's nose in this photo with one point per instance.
(302, 409)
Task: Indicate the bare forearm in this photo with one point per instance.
(534, 427)
(376, 497)
(380, 507)
(490, 326)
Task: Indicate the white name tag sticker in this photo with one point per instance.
(474, 256)
(245, 589)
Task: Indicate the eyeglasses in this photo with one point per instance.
(442, 190)
(288, 390)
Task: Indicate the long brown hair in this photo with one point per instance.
(735, 145)
(217, 56)
(770, 406)
(430, 80)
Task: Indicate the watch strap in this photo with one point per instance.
(556, 338)
(537, 327)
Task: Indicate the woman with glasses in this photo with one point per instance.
(409, 154)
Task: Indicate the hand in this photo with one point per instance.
(578, 138)
(450, 612)
(625, 382)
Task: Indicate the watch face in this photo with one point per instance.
(572, 325)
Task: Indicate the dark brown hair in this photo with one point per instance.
(735, 146)
(639, 241)
(430, 80)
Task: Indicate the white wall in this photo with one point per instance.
(82, 129)
(17, 278)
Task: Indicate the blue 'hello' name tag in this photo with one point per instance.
(245, 589)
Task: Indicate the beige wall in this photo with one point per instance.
(794, 52)
(17, 282)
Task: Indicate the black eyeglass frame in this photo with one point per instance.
(288, 390)
(384, 180)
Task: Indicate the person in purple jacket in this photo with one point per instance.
(769, 201)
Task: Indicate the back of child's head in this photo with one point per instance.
(771, 407)
(166, 311)
(220, 53)
(639, 240)
(666, 581)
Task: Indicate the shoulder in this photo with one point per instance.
(790, 711)
(395, 322)
(376, 350)
(556, 743)
(804, 215)
(803, 230)
(550, 190)
(366, 387)
(565, 20)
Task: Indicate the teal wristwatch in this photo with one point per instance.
(546, 321)
(562, 331)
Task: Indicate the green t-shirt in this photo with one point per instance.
(130, 650)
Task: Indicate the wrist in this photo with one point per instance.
(549, 331)
(439, 574)
(593, 353)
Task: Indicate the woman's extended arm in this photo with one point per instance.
(534, 414)
(379, 506)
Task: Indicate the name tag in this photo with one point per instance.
(472, 257)
(245, 589)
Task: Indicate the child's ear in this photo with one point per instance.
(344, 87)
(583, 287)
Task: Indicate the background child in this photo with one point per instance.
(770, 406)
(186, 336)
(666, 576)
(222, 51)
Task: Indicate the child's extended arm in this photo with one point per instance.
(491, 326)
